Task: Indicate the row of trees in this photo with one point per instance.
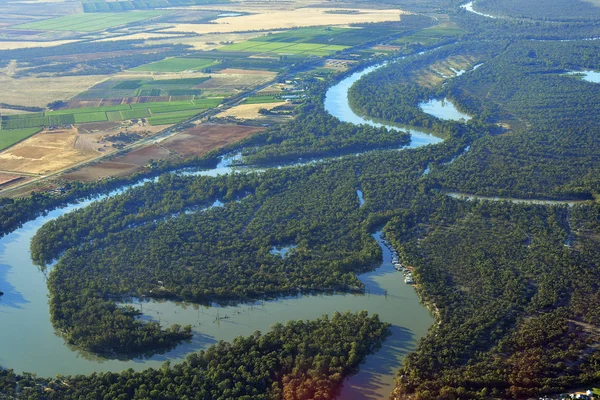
(298, 360)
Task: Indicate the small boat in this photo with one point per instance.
(409, 280)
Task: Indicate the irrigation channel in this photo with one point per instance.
(28, 341)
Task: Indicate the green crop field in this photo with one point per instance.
(119, 107)
(160, 111)
(134, 114)
(89, 22)
(23, 123)
(283, 47)
(90, 117)
(172, 118)
(177, 64)
(10, 137)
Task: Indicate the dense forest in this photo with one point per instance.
(298, 360)
(515, 288)
(557, 10)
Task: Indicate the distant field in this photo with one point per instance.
(258, 46)
(95, 6)
(156, 112)
(10, 137)
(89, 22)
(317, 41)
(262, 99)
(171, 117)
(120, 89)
(177, 65)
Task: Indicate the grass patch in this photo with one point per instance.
(172, 117)
(90, 117)
(10, 137)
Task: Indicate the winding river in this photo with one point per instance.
(28, 342)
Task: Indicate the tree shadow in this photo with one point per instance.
(369, 382)
(11, 298)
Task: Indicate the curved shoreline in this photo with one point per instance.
(25, 308)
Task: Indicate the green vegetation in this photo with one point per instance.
(172, 117)
(177, 64)
(559, 10)
(90, 22)
(258, 46)
(515, 287)
(297, 360)
(174, 112)
(514, 302)
(8, 137)
(100, 6)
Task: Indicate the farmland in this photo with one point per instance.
(39, 91)
(119, 166)
(304, 41)
(203, 138)
(262, 19)
(257, 46)
(89, 22)
(10, 137)
(143, 87)
(172, 112)
(177, 64)
(45, 152)
(262, 99)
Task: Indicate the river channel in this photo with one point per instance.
(28, 342)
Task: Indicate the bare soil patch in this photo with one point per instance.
(265, 19)
(227, 81)
(127, 164)
(248, 111)
(25, 44)
(144, 155)
(45, 152)
(40, 91)
(5, 179)
(204, 138)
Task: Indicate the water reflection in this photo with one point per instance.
(11, 298)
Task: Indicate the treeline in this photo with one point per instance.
(298, 360)
(487, 29)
